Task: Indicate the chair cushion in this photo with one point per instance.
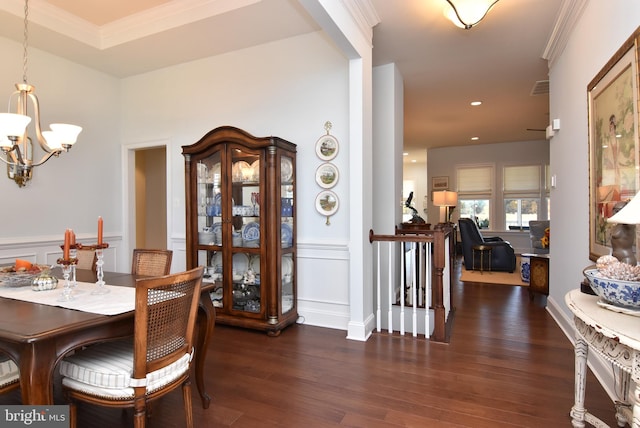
(9, 372)
(106, 369)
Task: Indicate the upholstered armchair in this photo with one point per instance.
(503, 257)
(536, 233)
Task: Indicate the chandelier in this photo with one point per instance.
(468, 13)
(15, 144)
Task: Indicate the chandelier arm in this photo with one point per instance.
(18, 155)
(469, 26)
(6, 161)
(46, 157)
(36, 107)
(19, 160)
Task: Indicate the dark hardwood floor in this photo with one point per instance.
(508, 365)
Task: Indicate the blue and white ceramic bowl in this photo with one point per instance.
(616, 292)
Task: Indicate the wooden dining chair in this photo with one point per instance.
(151, 262)
(132, 372)
(9, 374)
(86, 259)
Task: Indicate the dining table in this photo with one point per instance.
(37, 336)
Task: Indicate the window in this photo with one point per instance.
(522, 194)
(476, 209)
(475, 191)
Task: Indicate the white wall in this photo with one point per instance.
(73, 190)
(600, 31)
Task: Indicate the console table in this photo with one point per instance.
(614, 336)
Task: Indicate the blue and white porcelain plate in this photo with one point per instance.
(217, 233)
(251, 231)
(286, 235)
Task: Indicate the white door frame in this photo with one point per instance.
(128, 152)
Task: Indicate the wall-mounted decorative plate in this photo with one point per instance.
(327, 147)
(327, 203)
(327, 175)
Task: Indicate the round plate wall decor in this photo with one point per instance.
(327, 175)
(327, 147)
(327, 203)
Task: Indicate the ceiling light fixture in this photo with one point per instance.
(468, 13)
(14, 141)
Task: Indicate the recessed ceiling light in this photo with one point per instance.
(413, 161)
(475, 138)
(476, 103)
(405, 154)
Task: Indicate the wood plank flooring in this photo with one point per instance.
(508, 365)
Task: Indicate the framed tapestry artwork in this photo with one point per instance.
(613, 142)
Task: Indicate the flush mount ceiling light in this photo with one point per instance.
(468, 13)
(14, 141)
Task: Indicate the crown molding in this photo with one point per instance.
(570, 12)
(365, 17)
(152, 21)
(165, 17)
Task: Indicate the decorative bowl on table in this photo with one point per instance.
(10, 277)
(616, 292)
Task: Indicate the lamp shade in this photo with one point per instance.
(445, 198)
(630, 214)
(5, 143)
(68, 134)
(53, 140)
(13, 125)
(470, 12)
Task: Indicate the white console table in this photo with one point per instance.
(616, 337)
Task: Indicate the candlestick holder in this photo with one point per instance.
(99, 270)
(73, 254)
(67, 290)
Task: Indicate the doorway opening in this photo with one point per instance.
(151, 198)
(146, 193)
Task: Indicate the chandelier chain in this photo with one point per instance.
(25, 42)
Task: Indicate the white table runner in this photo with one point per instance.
(119, 299)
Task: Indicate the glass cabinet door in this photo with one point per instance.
(246, 228)
(210, 208)
(287, 218)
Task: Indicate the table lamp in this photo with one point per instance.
(447, 199)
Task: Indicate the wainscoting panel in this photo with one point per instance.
(46, 250)
(323, 284)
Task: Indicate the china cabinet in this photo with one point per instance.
(240, 225)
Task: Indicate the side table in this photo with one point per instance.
(616, 338)
(539, 274)
(485, 253)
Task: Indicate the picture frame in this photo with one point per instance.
(327, 147)
(327, 175)
(440, 183)
(613, 141)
